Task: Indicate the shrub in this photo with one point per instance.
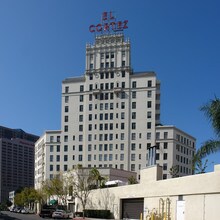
(95, 213)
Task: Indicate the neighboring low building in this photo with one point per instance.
(191, 197)
(48, 157)
(174, 149)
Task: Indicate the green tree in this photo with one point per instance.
(95, 175)
(200, 167)
(56, 187)
(27, 197)
(81, 180)
(212, 112)
(174, 171)
(132, 180)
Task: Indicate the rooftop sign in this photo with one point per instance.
(108, 24)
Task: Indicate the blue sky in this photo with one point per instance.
(43, 42)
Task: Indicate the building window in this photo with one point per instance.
(165, 135)
(149, 94)
(65, 148)
(133, 146)
(90, 107)
(66, 128)
(80, 138)
(81, 88)
(123, 74)
(90, 127)
(80, 148)
(66, 118)
(164, 176)
(133, 115)
(80, 157)
(81, 98)
(133, 105)
(134, 95)
(165, 156)
(132, 167)
(58, 167)
(123, 95)
(66, 109)
(133, 125)
(165, 144)
(121, 157)
(58, 148)
(81, 108)
(51, 148)
(66, 138)
(51, 158)
(149, 83)
(148, 125)
(89, 157)
(51, 167)
(80, 118)
(149, 104)
(65, 158)
(66, 89)
(122, 126)
(66, 99)
(132, 157)
(58, 158)
(165, 166)
(123, 63)
(133, 136)
(148, 114)
(65, 167)
(134, 84)
(80, 127)
(148, 136)
(157, 135)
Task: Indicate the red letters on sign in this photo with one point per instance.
(107, 26)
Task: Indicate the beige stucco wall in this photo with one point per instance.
(201, 194)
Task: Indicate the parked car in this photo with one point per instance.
(46, 213)
(27, 211)
(60, 214)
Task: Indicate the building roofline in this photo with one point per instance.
(142, 74)
(74, 79)
(175, 128)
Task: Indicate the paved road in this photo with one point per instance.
(6, 215)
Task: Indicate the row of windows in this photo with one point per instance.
(184, 150)
(185, 140)
(109, 126)
(158, 135)
(106, 116)
(100, 157)
(182, 159)
(108, 75)
(111, 105)
(107, 64)
(65, 167)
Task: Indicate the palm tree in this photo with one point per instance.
(212, 112)
(96, 176)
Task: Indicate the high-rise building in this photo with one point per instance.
(17, 160)
(111, 116)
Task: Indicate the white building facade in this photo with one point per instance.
(110, 118)
(110, 114)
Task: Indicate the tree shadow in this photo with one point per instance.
(4, 216)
